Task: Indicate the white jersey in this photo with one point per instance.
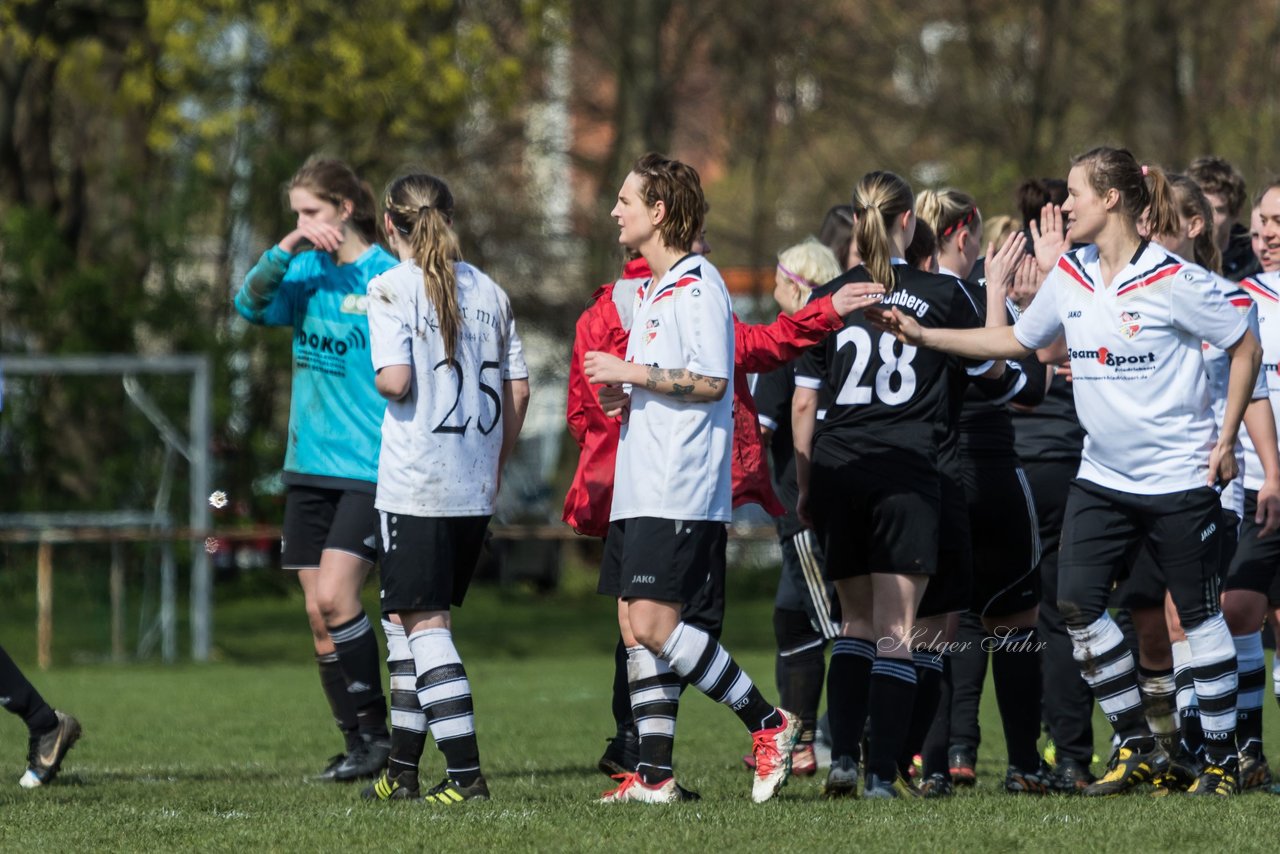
(674, 455)
(441, 441)
(1265, 291)
(1139, 380)
(1217, 365)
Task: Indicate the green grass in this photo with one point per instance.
(216, 757)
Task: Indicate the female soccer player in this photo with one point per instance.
(868, 483)
(450, 363)
(315, 280)
(802, 611)
(673, 487)
(1001, 514)
(1134, 317)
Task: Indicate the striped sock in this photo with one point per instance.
(408, 723)
(340, 702)
(445, 697)
(655, 699)
(357, 648)
(1159, 705)
(697, 657)
(1251, 662)
(890, 705)
(1213, 666)
(848, 687)
(1108, 666)
(1188, 705)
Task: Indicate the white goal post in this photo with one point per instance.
(194, 447)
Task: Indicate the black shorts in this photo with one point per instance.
(951, 587)
(1103, 530)
(316, 519)
(878, 515)
(666, 560)
(1256, 564)
(1143, 584)
(427, 561)
(801, 586)
(1006, 540)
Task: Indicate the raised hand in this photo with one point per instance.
(1049, 238)
(856, 296)
(321, 235)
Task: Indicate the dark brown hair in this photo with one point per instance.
(335, 182)
(1217, 176)
(924, 244)
(679, 188)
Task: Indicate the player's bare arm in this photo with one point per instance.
(1246, 358)
(678, 383)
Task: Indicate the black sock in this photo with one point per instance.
(848, 685)
(357, 648)
(623, 718)
(937, 742)
(340, 702)
(801, 668)
(890, 704)
(22, 699)
(928, 667)
(1015, 669)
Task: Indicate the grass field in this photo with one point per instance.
(216, 757)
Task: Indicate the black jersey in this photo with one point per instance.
(1051, 431)
(772, 394)
(885, 392)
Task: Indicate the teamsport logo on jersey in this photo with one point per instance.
(651, 330)
(353, 340)
(1130, 325)
(1103, 356)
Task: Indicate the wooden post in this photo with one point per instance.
(44, 604)
(117, 603)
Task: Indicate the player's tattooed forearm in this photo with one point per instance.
(683, 382)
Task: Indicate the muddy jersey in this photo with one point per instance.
(1139, 379)
(442, 440)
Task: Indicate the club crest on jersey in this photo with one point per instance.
(651, 329)
(1130, 324)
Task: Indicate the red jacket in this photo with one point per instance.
(757, 349)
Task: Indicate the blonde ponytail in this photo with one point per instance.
(878, 199)
(421, 210)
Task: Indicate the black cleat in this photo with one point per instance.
(46, 752)
(1254, 772)
(961, 761)
(367, 759)
(1019, 782)
(330, 768)
(622, 753)
(1215, 780)
(1071, 776)
(448, 793)
(842, 778)
(683, 794)
(936, 785)
(1130, 769)
(1178, 776)
(385, 788)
